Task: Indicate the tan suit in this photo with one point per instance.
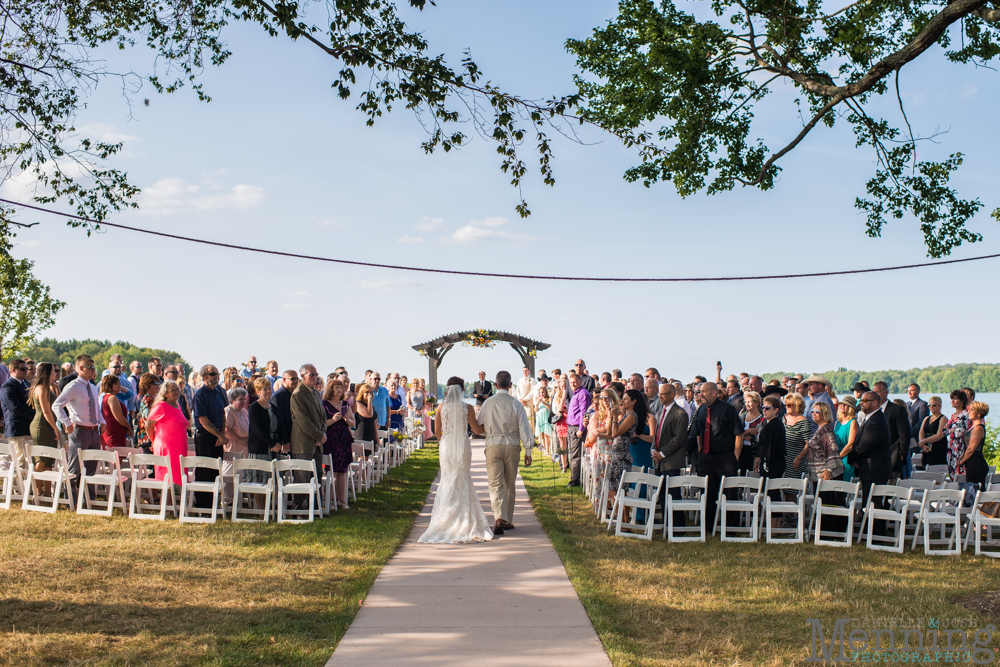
(507, 429)
(308, 420)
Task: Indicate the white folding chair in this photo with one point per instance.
(696, 490)
(628, 491)
(11, 476)
(979, 521)
(919, 486)
(943, 468)
(189, 486)
(365, 461)
(938, 478)
(796, 507)
(310, 488)
(852, 502)
(141, 482)
(646, 493)
(747, 504)
(253, 489)
(228, 458)
(941, 508)
(897, 499)
(917, 461)
(327, 487)
(107, 474)
(59, 477)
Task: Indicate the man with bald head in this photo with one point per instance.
(652, 389)
(587, 382)
(717, 435)
(871, 454)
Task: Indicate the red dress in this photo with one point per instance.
(171, 438)
(114, 433)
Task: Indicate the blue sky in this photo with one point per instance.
(276, 160)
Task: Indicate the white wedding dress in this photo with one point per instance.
(457, 515)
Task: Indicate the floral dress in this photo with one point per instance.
(619, 456)
(142, 438)
(956, 429)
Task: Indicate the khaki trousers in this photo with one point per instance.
(501, 469)
(529, 407)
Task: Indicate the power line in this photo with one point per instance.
(396, 267)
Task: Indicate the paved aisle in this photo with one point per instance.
(506, 602)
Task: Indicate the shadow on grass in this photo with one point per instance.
(117, 591)
(657, 603)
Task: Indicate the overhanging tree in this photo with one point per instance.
(702, 80)
(26, 306)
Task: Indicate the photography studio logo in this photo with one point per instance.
(903, 640)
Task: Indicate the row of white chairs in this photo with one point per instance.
(126, 486)
(941, 509)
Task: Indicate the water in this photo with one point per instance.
(992, 400)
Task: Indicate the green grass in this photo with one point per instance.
(736, 604)
(78, 590)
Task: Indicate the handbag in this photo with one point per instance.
(555, 417)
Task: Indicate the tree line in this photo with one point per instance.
(61, 351)
(932, 379)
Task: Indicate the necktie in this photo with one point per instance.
(708, 429)
(93, 407)
(659, 428)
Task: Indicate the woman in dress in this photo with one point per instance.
(543, 428)
(976, 467)
(623, 426)
(262, 438)
(769, 457)
(457, 515)
(821, 451)
(167, 429)
(798, 430)
(116, 427)
(958, 426)
(367, 425)
(607, 405)
(753, 419)
(44, 428)
(339, 422)
(933, 436)
(562, 428)
(396, 411)
(642, 440)
(846, 431)
(415, 400)
(237, 422)
(149, 386)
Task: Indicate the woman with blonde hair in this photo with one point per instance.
(798, 430)
(543, 427)
(194, 380)
(339, 422)
(821, 451)
(562, 429)
(846, 431)
(753, 420)
(976, 467)
(607, 405)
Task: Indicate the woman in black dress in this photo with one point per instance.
(933, 437)
(976, 468)
(365, 417)
(339, 422)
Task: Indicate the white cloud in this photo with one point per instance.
(110, 135)
(294, 306)
(488, 229)
(169, 195)
(426, 224)
(969, 91)
(406, 238)
(389, 284)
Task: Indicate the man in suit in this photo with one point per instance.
(899, 428)
(872, 452)
(17, 414)
(482, 389)
(669, 445)
(281, 401)
(717, 435)
(308, 426)
(919, 410)
(735, 395)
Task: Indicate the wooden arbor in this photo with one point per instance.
(435, 350)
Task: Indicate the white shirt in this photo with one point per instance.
(684, 405)
(75, 397)
(525, 389)
(506, 421)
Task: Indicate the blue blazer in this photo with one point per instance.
(17, 414)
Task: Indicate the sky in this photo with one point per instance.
(278, 161)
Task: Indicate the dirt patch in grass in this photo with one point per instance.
(78, 590)
(656, 603)
(986, 605)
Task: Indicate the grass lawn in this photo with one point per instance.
(738, 604)
(78, 590)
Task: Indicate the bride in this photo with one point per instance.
(457, 515)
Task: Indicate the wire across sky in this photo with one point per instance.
(483, 274)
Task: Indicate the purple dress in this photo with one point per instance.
(338, 440)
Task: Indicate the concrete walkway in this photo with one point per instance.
(505, 602)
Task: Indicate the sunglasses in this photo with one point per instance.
(769, 407)
(208, 375)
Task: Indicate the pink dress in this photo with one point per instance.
(171, 438)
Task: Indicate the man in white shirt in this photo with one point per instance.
(78, 410)
(507, 430)
(680, 400)
(525, 392)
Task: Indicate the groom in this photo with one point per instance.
(507, 428)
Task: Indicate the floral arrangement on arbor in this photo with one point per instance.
(480, 338)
